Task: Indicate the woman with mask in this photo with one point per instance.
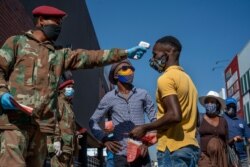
(213, 132)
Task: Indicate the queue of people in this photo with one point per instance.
(31, 67)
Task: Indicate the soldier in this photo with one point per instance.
(63, 142)
(30, 68)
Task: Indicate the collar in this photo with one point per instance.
(234, 118)
(133, 90)
(47, 44)
(174, 67)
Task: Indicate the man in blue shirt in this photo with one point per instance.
(239, 132)
(127, 105)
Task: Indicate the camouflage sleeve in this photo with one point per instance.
(75, 59)
(67, 128)
(60, 106)
(57, 136)
(7, 58)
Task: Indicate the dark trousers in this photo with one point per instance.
(121, 161)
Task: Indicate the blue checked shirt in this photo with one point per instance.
(125, 114)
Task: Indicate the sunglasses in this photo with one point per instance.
(124, 68)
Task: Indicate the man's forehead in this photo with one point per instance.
(209, 99)
(120, 66)
(160, 47)
(231, 105)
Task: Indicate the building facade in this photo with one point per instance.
(244, 68)
(232, 79)
(237, 78)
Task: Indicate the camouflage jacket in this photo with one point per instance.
(30, 70)
(66, 124)
(65, 127)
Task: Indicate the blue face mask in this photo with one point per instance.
(211, 109)
(69, 92)
(126, 78)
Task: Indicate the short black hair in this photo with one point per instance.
(170, 40)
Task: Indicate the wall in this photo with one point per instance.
(244, 67)
(77, 32)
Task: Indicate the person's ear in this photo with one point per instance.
(116, 76)
(41, 21)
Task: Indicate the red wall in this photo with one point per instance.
(233, 89)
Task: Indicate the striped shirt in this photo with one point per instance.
(126, 113)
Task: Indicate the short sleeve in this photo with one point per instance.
(166, 86)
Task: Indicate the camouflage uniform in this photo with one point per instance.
(30, 70)
(66, 128)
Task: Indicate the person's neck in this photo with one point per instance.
(124, 88)
(39, 35)
(171, 64)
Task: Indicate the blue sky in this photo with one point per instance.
(209, 30)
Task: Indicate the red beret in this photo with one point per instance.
(48, 11)
(66, 83)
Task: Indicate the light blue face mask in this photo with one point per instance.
(69, 92)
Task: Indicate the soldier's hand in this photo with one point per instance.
(136, 52)
(57, 147)
(113, 146)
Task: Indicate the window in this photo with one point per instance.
(248, 110)
(247, 114)
(245, 82)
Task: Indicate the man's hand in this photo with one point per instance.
(6, 103)
(57, 147)
(238, 139)
(144, 150)
(113, 146)
(108, 126)
(136, 52)
(138, 132)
